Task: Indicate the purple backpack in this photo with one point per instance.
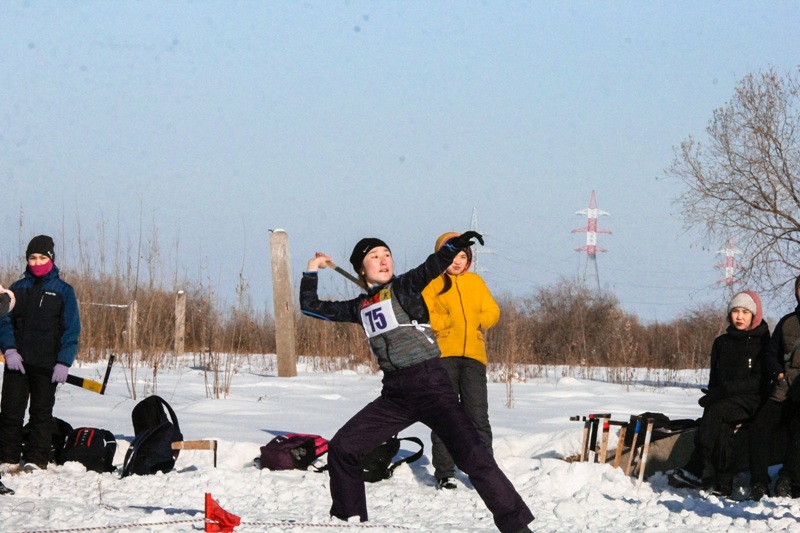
(292, 451)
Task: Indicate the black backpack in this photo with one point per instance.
(378, 464)
(151, 450)
(93, 448)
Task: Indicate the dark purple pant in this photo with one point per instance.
(420, 393)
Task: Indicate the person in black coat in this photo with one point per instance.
(780, 411)
(733, 395)
(39, 340)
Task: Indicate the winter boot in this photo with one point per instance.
(724, 485)
(758, 491)
(448, 483)
(783, 488)
(682, 478)
(5, 491)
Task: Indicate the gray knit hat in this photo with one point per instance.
(743, 300)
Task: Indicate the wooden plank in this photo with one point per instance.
(197, 445)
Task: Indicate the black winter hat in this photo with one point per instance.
(361, 250)
(41, 244)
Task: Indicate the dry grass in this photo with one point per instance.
(128, 309)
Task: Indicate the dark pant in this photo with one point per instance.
(420, 393)
(791, 463)
(468, 377)
(714, 439)
(17, 388)
(768, 419)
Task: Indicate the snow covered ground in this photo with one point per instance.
(531, 437)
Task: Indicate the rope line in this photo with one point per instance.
(103, 528)
(267, 524)
(307, 524)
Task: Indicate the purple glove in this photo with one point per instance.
(14, 361)
(59, 373)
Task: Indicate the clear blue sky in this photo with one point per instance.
(213, 122)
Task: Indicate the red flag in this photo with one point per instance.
(218, 520)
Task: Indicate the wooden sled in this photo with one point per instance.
(663, 453)
(650, 449)
(667, 449)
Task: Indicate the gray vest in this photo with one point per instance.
(405, 345)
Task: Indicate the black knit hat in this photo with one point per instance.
(361, 250)
(41, 244)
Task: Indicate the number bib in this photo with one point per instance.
(377, 315)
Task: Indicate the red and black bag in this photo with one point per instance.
(93, 448)
(292, 451)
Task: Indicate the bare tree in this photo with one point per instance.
(744, 183)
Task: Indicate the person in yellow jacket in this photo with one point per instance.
(461, 309)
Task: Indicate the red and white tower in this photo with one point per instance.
(591, 231)
(729, 266)
(477, 250)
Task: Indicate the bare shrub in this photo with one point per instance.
(332, 340)
(562, 329)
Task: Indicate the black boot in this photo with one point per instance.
(5, 490)
(723, 486)
(758, 491)
(783, 488)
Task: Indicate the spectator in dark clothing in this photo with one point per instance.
(781, 409)
(39, 340)
(733, 395)
(416, 388)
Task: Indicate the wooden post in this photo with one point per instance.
(645, 447)
(132, 319)
(604, 445)
(636, 428)
(283, 302)
(180, 322)
(587, 424)
(620, 444)
(592, 455)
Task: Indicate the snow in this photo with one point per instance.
(531, 438)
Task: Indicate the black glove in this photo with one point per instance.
(780, 390)
(465, 240)
(712, 396)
